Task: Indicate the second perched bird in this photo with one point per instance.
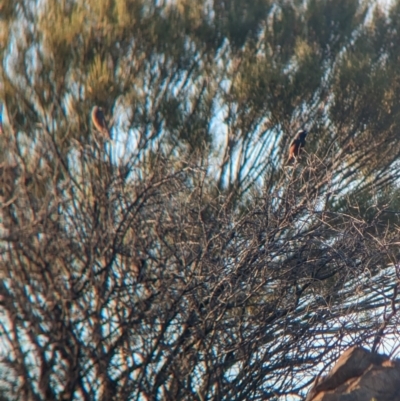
(298, 143)
(99, 122)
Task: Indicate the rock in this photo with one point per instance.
(359, 375)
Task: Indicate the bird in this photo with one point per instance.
(99, 122)
(137, 267)
(295, 147)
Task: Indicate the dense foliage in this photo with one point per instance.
(184, 260)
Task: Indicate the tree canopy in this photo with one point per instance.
(184, 260)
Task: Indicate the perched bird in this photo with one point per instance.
(137, 267)
(99, 122)
(298, 143)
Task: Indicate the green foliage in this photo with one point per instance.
(218, 263)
